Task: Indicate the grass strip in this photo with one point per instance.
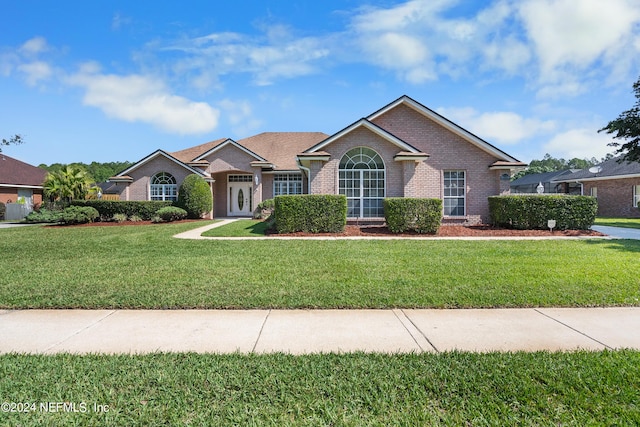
(240, 228)
(578, 388)
(619, 222)
(144, 267)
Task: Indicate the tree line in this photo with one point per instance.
(98, 172)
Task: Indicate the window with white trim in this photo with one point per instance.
(361, 177)
(163, 187)
(636, 196)
(287, 183)
(594, 192)
(455, 193)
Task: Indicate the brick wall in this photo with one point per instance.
(447, 151)
(615, 197)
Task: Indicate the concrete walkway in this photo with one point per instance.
(313, 331)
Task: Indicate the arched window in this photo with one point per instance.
(361, 178)
(164, 187)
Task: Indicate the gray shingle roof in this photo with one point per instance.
(611, 168)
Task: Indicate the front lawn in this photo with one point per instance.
(619, 222)
(144, 267)
(571, 389)
(241, 228)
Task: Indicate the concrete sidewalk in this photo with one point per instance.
(314, 331)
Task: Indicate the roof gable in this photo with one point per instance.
(445, 123)
(155, 155)
(189, 154)
(231, 142)
(15, 172)
(364, 123)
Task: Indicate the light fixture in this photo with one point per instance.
(540, 188)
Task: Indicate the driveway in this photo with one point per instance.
(618, 232)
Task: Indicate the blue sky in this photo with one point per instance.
(115, 80)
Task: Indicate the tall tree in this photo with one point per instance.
(67, 184)
(15, 140)
(627, 128)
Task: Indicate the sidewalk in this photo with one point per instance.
(315, 331)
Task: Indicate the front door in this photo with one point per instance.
(240, 197)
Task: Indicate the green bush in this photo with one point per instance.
(44, 216)
(194, 196)
(145, 209)
(420, 215)
(3, 209)
(171, 213)
(119, 217)
(264, 209)
(311, 213)
(530, 212)
(135, 218)
(79, 215)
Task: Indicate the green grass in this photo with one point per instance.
(144, 267)
(240, 228)
(572, 389)
(619, 222)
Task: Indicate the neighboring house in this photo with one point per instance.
(615, 184)
(402, 150)
(20, 182)
(528, 184)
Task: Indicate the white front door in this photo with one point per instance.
(239, 193)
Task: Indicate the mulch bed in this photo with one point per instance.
(452, 231)
(379, 230)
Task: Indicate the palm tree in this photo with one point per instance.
(70, 183)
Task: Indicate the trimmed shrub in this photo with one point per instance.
(420, 215)
(135, 218)
(44, 216)
(171, 213)
(264, 209)
(3, 209)
(119, 217)
(311, 213)
(194, 196)
(145, 209)
(79, 215)
(530, 212)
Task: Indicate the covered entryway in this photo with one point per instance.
(240, 195)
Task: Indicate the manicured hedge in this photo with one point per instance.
(108, 208)
(527, 212)
(194, 196)
(420, 215)
(311, 213)
(79, 215)
(170, 213)
(3, 209)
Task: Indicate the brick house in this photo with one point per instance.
(615, 184)
(19, 180)
(402, 150)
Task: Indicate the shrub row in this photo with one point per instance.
(311, 213)
(69, 215)
(3, 209)
(108, 208)
(533, 211)
(420, 215)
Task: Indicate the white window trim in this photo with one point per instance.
(636, 196)
(464, 196)
(166, 191)
(290, 178)
(361, 182)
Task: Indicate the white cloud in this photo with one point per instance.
(138, 98)
(35, 71)
(569, 33)
(580, 142)
(34, 46)
(274, 55)
(240, 116)
(503, 127)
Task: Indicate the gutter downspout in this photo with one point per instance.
(308, 170)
